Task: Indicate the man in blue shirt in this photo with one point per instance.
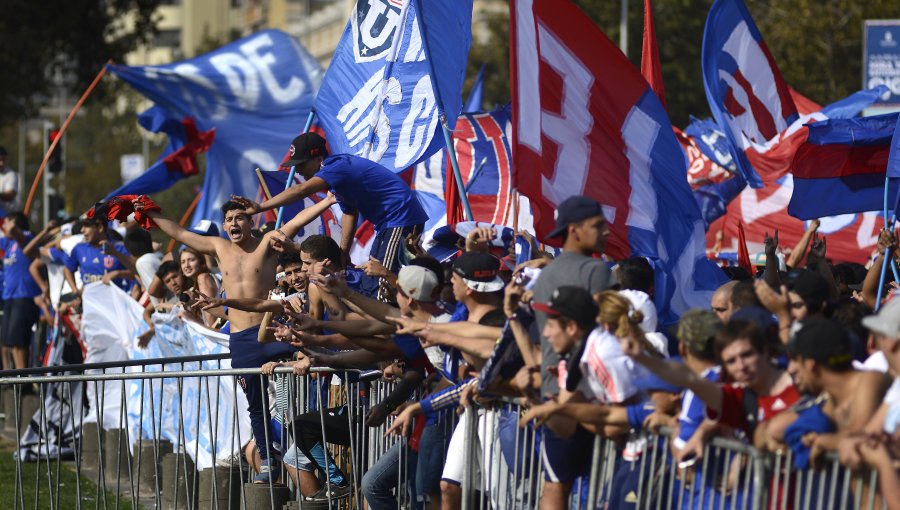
(98, 259)
(19, 290)
(363, 188)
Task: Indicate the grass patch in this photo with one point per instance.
(56, 490)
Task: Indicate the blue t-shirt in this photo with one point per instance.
(378, 194)
(93, 263)
(693, 411)
(17, 281)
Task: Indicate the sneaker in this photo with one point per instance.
(236, 459)
(270, 472)
(337, 492)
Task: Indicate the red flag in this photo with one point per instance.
(650, 67)
(743, 254)
(451, 198)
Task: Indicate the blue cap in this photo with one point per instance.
(572, 210)
(756, 315)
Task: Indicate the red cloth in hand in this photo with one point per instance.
(119, 207)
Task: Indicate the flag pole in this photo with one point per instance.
(62, 130)
(290, 179)
(448, 138)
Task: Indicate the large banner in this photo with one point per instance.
(881, 60)
(255, 93)
(202, 415)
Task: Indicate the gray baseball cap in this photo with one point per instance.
(887, 321)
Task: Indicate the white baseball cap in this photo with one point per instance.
(418, 283)
(887, 321)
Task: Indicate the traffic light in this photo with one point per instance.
(55, 163)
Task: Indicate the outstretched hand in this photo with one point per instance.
(407, 326)
(249, 206)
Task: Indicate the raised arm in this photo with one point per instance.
(293, 194)
(676, 373)
(32, 249)
(799, 251)
(304, 217)
(203, 244)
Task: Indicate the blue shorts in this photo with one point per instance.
(388, 247)
(566, 459)
(19, 315)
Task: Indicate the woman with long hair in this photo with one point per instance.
(201, 281)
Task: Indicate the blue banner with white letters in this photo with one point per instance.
(389, 82)
(255, 92)
(881, 60)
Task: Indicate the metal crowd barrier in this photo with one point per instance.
(131, 457)
(639, 472)
(197, 459)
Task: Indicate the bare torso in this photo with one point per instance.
(248, 271)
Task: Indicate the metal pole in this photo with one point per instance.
(445, 127)
(451, 150)
(290, 179)
(21, 169)
(623, 28)
(45, 194)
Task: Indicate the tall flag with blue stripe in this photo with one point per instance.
(255, 92)
(841, 167)
(893, 170)
(747, 95)
(586, 123)
(388, 82)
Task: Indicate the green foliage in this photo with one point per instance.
(816, 43)
(75, 37)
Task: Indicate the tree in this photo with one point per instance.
(67, 39)
(817, 44)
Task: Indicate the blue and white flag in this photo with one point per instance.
(747, 95)
(388, 83)
(255, 92)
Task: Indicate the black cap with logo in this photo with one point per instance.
(306, 147)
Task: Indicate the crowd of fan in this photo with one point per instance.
(793, 358)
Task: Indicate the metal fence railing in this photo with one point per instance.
(172, 434)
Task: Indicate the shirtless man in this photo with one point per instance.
(248, 271)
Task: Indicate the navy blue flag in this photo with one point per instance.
(255, 92)
(473, 103)
(841, 168)
(893, 170)
(388, 83)
(746, 93)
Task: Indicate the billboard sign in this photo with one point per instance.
(881, 61)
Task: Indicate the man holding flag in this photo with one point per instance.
(362, 187)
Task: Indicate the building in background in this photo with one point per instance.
(189, 27)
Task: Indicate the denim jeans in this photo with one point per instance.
(384, 476)
(432, 454)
